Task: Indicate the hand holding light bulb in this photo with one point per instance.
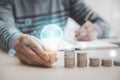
(31, 51)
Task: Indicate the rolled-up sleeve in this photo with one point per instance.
(8, 32)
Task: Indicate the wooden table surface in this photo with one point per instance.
(12, 69)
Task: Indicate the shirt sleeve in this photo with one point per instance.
(8, 32)
(79, 11)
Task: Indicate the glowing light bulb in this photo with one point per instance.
(51, 36)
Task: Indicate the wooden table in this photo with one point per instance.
(12, 69)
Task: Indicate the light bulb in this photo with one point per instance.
(51, 36)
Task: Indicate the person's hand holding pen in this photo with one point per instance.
(87, 31)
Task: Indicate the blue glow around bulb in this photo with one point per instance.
(28, 22)
(12, 52)
(51, 31)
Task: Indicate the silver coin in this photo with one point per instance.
(117, 62)
(106, 62)
(94, 62)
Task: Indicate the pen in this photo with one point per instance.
(83, 31)
(88, 16)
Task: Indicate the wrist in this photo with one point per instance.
(98, 30)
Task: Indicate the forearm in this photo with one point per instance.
(8, 36)
(8, 32)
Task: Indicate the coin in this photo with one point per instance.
(106, 62)
(69, 58)
(117, 62)
(81, 59)
(94, 62)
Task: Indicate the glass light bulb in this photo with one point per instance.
(51, 36)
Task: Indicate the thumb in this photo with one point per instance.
(39, 42)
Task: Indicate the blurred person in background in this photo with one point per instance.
(20, 18)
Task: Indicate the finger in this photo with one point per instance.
(39, 42)
(32, 43)
(92, 33)
(78, 37)
(81, 32)
(19, 47)
(90, 30)
(53, 56)
(82, 35)
(33, 56)
(83, 38)
(86, 25)
(77, 30)
(38, 49)
(23, 58)
(87, 38)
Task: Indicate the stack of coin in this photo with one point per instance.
(106, 62)
(81, 59)
(69, 58)
(94, 62)
(117, 62)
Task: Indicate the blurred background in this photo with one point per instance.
(110, 11)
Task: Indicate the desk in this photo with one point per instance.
(12, 69)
